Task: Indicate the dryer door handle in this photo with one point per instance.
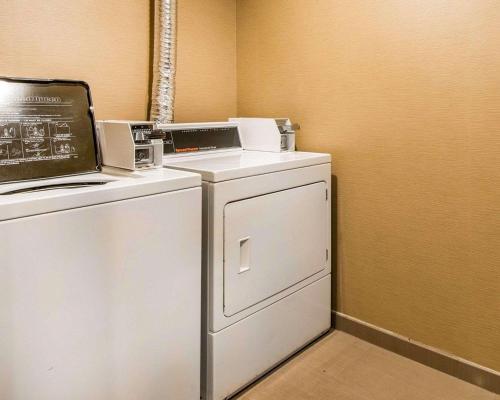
(244, 255)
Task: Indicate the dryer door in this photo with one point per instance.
(272, 242)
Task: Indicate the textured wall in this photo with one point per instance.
(206, 60)
(405, 94)
(105, 43)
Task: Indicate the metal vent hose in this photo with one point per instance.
(163, 90)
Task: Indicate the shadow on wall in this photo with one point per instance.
(334, 260)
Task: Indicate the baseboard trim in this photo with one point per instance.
(455, 366)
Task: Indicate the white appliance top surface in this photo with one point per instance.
(121, 185)
(223, 166)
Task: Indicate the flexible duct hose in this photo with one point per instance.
(163, 91)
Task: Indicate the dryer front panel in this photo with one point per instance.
(272, 242)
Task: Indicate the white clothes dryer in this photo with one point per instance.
(266, 246)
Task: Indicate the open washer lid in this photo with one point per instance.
(47, 129)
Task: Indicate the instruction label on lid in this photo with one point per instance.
(46, 130)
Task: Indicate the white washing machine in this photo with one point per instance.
(266, 245)
(100, 287)
(100, 273)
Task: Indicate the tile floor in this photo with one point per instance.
(343, 367)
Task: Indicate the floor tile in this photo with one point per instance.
(343, 367)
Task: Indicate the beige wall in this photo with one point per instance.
(206, 60)
(405, 95)
(105, 43)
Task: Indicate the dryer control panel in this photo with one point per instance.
(199, 137)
